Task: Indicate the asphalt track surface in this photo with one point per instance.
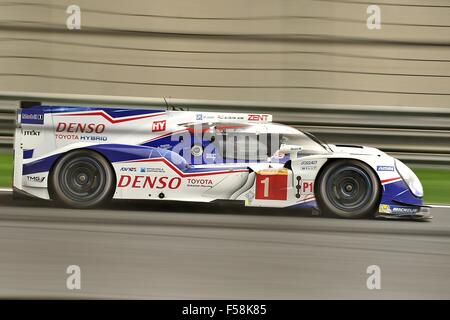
(185, 251)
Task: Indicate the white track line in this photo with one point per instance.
(6, 190)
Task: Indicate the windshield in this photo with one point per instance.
(241, 145)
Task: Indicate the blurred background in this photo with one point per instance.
(311, 51)
(313, 64)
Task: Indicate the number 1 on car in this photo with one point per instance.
(271, 186)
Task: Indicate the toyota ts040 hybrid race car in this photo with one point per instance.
(84, 156)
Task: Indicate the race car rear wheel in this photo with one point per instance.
(348, 189)
(82, 179)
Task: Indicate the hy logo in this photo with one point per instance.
(159, 126)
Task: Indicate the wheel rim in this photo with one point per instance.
(82, 179)
(349, 188)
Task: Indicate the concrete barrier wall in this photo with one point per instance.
(301, 51)
(413, 134)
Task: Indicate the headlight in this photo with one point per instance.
(410, 178)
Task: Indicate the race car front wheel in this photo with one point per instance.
(82, 179)
(348, 189)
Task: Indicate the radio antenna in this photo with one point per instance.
(167, 105)
(172, 107)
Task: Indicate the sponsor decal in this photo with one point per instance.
(80, 138)
(229, 117)
(32, 117)
(210, 156)
(80, 127)
(308, 162)
(398, 211)
(206, 117)
(199, 182)
(67, 137)
(35, 179)
(384, 208)
(404, 211)
(200, 117)
(93, 138)
(31, 133)
(308, 168)
(165, 146)
(74, 131)
(158, 126)
(151, 170)
(196, 150)
(128, 169)
(385, 168)
(258, 117)
(148, 182)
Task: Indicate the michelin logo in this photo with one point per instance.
(398, 211)
(404, 211)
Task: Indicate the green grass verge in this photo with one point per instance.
(6, 165)
(436, 184)
(435, 181)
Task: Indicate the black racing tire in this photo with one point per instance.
(348, 189)
(82, 179)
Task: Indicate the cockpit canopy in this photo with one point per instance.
(256, 142)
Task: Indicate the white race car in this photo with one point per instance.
(84, 156)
